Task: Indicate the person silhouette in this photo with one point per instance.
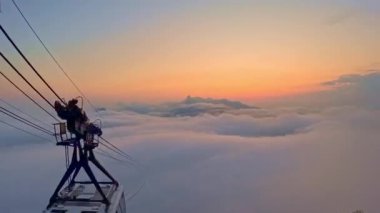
(77, 120)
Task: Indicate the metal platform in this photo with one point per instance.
(84, 198)
(90, 196)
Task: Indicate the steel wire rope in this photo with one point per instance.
(25, 120)
(30, 98)
(26, 80)
(22, 130)
(30, 65)
(52, 56)
(14, 117)
(22, 112)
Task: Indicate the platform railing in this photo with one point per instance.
(62, 136)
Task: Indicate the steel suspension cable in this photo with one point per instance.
(25, 120)
(22, 112)
(30, 98)
(26, 123)
(18, 128)
(60, 67)
(104, 153)
(52, 56)
(115, 151)
(118, 150)
(127, 158)
(30, 65)
(108, 155)
(26, 80)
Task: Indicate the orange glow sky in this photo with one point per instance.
(246, 50)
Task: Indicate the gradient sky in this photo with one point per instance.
(164, 50)
(314, 146)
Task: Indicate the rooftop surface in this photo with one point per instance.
(88, 200)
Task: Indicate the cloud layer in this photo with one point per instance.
(331, 167)
(191, 106)
(239, 160)
(359, 90)
(287, 162)
(356, 89)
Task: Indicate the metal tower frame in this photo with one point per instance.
(82, 155)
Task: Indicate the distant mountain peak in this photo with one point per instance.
(190, 106)
(229, 103)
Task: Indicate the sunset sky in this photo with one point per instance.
(283, 113)
(147, 51)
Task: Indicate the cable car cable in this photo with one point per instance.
(120, 154)
(118, 149)
(30, 98)
(26, 80)
(31, 123)
(30, 65)
(115, 151)
(22, 112)
(18, 128)
(14, 117)
(19, 51)
(108, 155)
(52, 56)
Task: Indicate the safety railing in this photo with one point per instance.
(62, 136)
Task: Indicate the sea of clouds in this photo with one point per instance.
(234, 159)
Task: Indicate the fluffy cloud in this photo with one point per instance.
(332, 167)
(368, 80)
(346, 80)
(359, 90)
(287, 162)
(239, 160)
(191, 106)
(239, 124)
(356, 90)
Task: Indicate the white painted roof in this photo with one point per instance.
(85, 191)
